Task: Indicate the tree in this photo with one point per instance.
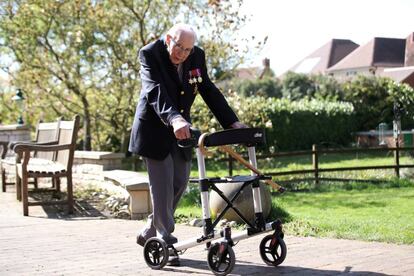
(81, 55)
(327, 88)
(374, 98)
(266, 87)
(297, 86)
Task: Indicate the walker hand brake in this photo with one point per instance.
(192, 141)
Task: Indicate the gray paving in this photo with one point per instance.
(46, 244)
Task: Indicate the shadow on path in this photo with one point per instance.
(83, 208)
(248, 268)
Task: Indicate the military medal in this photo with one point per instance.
(194, 77)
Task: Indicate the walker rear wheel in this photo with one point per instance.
(273, 250)
(156, 253)
(221, 258)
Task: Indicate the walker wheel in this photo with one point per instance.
(221, 258)
(156, 253)
(273, 250)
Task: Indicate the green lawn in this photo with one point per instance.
(371, 214)
(363, 211)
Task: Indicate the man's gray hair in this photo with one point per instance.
(181, 27)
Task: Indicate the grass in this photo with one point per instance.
(367, 211)
(371, 214)
(360, 211)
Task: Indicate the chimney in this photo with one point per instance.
(409, 50)
(266, 63)
(266, 68)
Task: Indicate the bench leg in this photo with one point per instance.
(3, 179)
(18, 186)
(70, 193)
(35, 183)
(25, 195)
(56, 183)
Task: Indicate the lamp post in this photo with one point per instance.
(19, 98)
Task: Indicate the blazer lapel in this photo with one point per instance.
(172, 70)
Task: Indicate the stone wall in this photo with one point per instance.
(88, 168)
(94, 162)
(13, 133)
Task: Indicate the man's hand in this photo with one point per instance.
(181, 128)
(238, 124)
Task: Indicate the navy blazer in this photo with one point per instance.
(163, 96)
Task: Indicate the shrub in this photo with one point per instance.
(266, 87)
(289, 124)
(374, 99)
(298, 86)
(327, 88)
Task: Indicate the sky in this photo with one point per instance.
(296, 28)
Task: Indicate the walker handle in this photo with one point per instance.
(192, 141)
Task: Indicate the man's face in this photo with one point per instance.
(180, 47)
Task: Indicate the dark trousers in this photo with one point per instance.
(168, 180)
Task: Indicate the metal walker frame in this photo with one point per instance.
(221, 257)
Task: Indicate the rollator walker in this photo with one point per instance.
(221, 258)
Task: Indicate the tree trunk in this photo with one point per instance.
(86, 125)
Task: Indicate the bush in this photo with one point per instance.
(289, 124)
(374, 99)
(298, 86)
(266, 87)
(328, 88)
(369, 96)
(314, 109)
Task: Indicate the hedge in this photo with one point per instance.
(290, 125)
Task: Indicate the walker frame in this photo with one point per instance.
(221, 257)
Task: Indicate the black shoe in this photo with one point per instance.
(170, 240)
(173, 259)
(141, 240)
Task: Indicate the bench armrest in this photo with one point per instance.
(22, 148)
(13, 144)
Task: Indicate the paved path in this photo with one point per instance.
(45, 245)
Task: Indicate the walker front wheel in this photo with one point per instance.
(273, 250)
(156, 253)
(221, 258)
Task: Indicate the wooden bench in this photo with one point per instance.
(136, 184)
(56, 168)
(46, 134)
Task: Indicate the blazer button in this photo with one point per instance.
(182, 111)
(182, 93)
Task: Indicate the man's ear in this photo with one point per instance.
(168, 39)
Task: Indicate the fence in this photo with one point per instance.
(316, 153)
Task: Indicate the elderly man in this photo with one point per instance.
(173, 72)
